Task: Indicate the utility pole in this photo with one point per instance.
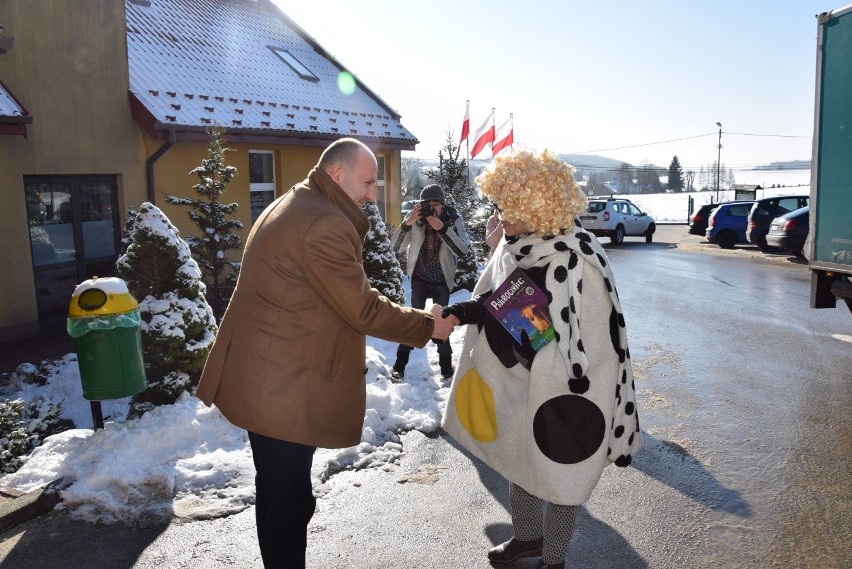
(718, 161)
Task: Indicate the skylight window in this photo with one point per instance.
(294, 63)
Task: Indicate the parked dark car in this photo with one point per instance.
(699, 219)
(790, 230)
(727, 224)
(765, 210)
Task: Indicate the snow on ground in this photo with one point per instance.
(186, 460)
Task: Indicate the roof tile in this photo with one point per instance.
(221, 48)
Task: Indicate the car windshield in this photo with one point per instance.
(595, 207)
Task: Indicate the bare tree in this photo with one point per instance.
(625, 176)
(411, 176)
(690, 180)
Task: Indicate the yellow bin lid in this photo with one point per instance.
(101, 297)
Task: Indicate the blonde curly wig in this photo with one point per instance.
(538, 189)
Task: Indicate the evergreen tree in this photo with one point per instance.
(452, 177)
(675, 175)
(129, 225)
(380, 263)
(215, 222)
(178, 326)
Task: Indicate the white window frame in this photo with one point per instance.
(381, 185)
(261, 186)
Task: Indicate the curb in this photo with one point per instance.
(19, 508)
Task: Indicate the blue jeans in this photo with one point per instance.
(420, 291)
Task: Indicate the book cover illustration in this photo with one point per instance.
(521, 307)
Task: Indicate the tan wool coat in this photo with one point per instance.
(288, 360)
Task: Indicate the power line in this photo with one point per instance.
(768, 135)
(645, 144)
(691, 138)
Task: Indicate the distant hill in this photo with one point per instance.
(591, 161)
(788, 165)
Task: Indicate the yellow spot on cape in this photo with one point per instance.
(475, 407)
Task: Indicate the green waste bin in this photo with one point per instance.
(103, 319)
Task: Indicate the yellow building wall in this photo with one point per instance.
(64, 68)
(292, 165)
(68, 69)
(172, 176)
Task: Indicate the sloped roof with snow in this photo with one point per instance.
(196, 63)
(14, 118)
(10, 109)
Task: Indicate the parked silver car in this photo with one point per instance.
(617, 218)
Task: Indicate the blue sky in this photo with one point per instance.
(589, 77)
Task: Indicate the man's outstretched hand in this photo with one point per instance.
(443, 326)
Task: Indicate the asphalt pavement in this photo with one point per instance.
(441, 509)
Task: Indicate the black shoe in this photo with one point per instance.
(446, 363)
(515, 549)
(541, 565)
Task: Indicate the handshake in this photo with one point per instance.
(448, 317)
(444, 326)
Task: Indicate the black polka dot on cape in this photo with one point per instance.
(560, 246)
(579, 385)
(560, 274)
(568, 414)
(584, 247)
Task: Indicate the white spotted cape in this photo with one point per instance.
(588, 360)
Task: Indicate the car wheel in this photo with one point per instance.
(649, 235)
(617, 236)
(726, 239)
(763, 245)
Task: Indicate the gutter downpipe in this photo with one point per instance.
(149, 164)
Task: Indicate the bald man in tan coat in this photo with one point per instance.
(288, 361)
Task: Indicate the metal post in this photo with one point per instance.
(97, 415)
(718, 161)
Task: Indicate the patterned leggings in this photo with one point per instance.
(527, 523)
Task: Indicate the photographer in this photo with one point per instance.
(433, 237)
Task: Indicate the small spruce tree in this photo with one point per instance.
(23, 427)
(675, 175)
(380, 263)
(178, 326)
(215, 222)
(129, 225)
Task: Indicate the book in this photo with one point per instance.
(522, 308)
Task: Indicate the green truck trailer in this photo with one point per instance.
(830, 238)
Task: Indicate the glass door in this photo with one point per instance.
(74, 236)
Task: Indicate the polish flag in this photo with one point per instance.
(483, 136)
(505, 137)
(465, 127)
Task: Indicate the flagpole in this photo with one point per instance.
(494, 126)
(467, 145)
(467, 159)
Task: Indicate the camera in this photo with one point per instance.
(426, 209)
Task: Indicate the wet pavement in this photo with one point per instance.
(744, 394)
